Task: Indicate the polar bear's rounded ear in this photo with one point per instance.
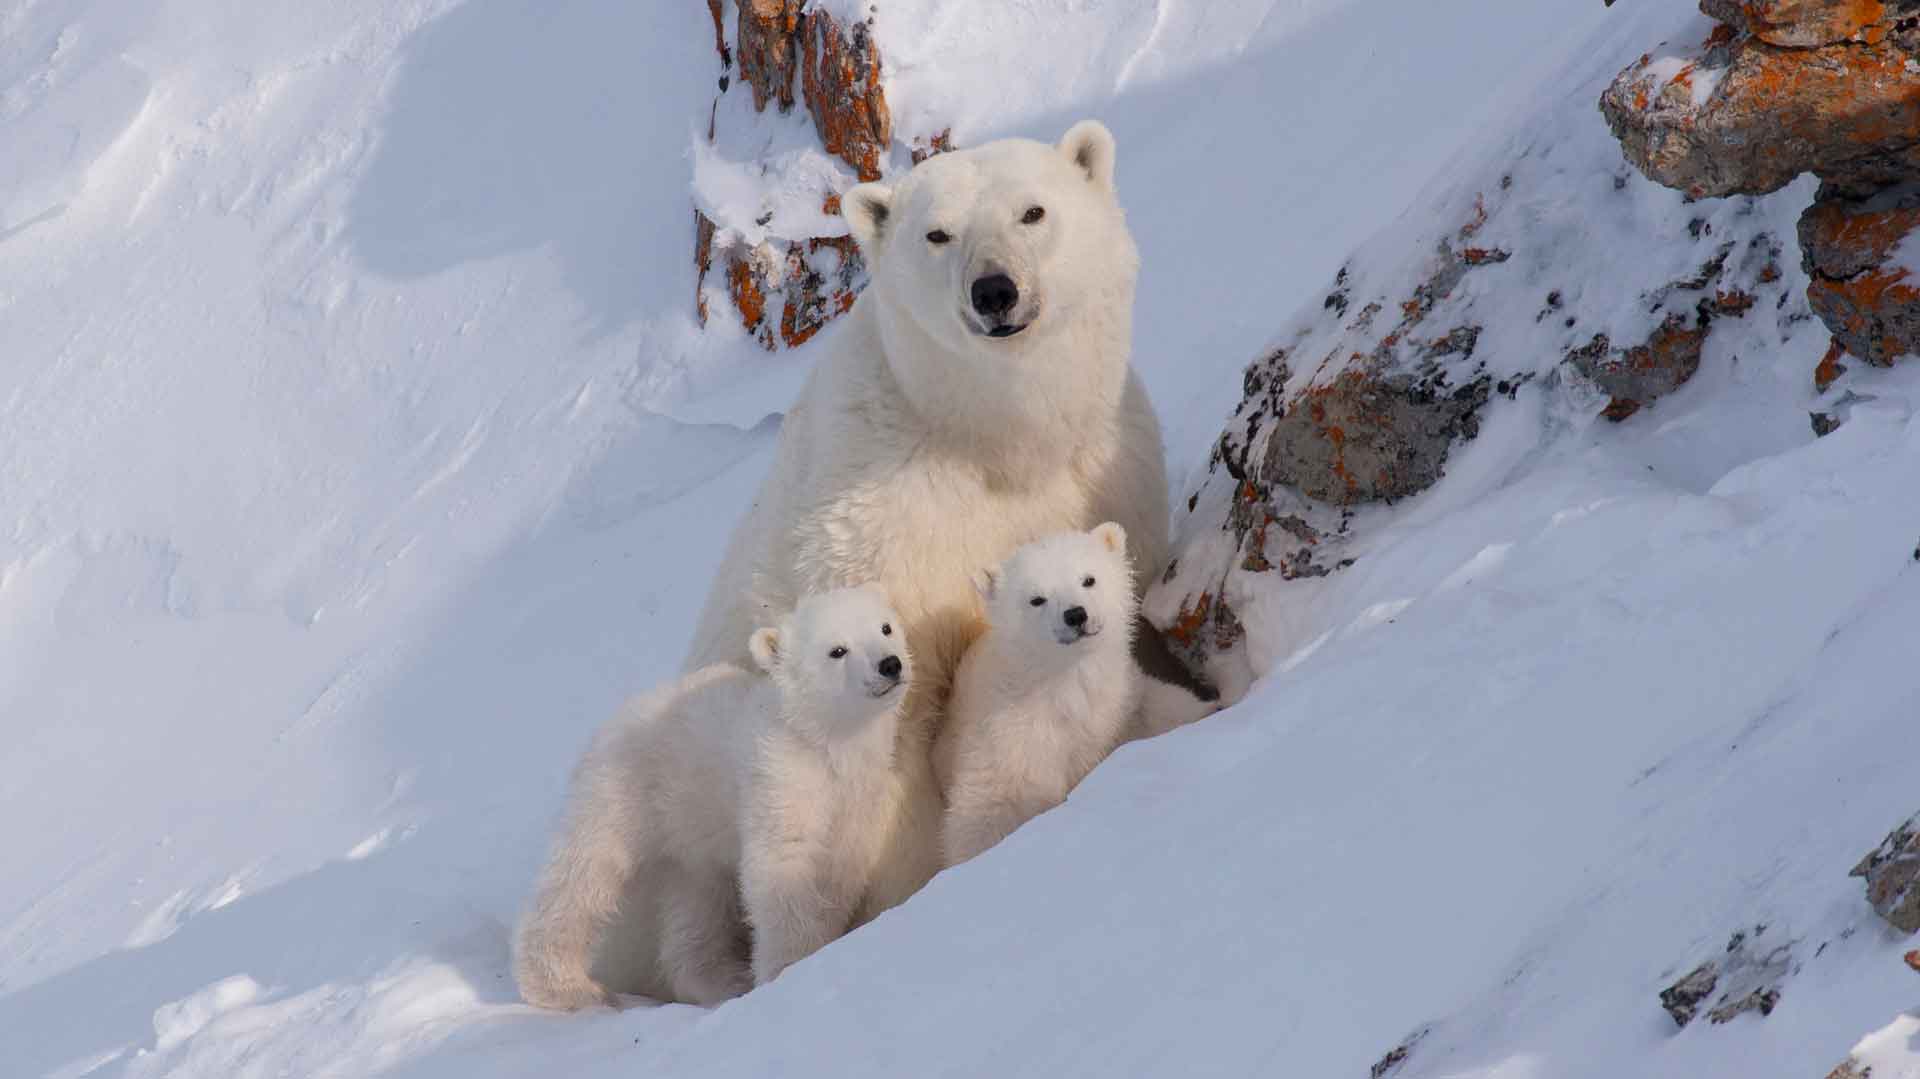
(765, 646)
(1111, 536)
(1089, 145)
(986, 582)
(867, 208)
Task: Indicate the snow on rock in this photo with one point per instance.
(1891, 1052)
(766, 190)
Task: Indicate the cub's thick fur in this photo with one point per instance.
(725, 801)
(1046, 693)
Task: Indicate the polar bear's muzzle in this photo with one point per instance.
(997, 306)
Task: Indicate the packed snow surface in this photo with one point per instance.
(359, 451)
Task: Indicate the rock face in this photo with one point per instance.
(784, 288)
(1741, 116)
(1787, 87)
(1803, 24)
(1892, 872)
(840, 71)
(1860, 283)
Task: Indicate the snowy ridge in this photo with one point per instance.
(362, 451)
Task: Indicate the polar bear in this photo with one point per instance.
(772, 822)
(1046, 693)
(978, 396)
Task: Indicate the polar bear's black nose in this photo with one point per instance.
(995, 294)
(1074, 616)
(890, 667)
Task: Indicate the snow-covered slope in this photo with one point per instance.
(359, 450)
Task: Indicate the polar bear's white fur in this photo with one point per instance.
(782, 806)
(932, 439)
(1046, 693)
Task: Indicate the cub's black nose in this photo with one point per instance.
(995, 294)
(1074, 616)
(890, 667)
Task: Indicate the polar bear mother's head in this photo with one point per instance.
(1000, 248)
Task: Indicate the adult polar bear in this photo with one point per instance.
(978, 397)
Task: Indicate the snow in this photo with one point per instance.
(362, 452)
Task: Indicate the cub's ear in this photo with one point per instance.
(1111, 536)
(1089, 145)
(868, 208)
(986, 582)
(765, 646)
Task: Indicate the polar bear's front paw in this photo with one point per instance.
(567, 994)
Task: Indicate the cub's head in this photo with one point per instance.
(1063, 590)
(998, 244)
(839, 660)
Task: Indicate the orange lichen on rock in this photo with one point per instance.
(702, 260)
(1803, 24)
(1830, 368)
(840, 73)
(1849, 113)
(768, 49)
(748, 297)
(1192, 618)
(715, 9)
(1857, 283)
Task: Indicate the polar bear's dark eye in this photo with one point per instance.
(1038, 601)
(938, 236)
(839, 652)
(886, 629)
(1088, 583)
(1033, 215)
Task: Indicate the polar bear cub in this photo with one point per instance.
(1046, 693)
(738, 808)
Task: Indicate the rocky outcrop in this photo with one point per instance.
(1745, 977)
(1892, 873)
(785, 287)
(1787, 87)
(1367, 398)
(1803, 24)
(1861, 283)
(1636, 375)
(1738, 115)
(840, 72)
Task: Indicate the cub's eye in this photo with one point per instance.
(938, 236)
(886, 629)
(1088, 583)
(1038, 601)
(839, 652)
(1033, 215)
